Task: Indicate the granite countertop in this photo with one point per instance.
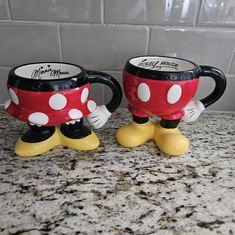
(114, 190)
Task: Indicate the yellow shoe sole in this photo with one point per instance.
(24, 149)
(89, 142)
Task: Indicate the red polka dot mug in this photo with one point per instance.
(164, 87)
(53, 98)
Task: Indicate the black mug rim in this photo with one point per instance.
(181, 75)
(57, 84)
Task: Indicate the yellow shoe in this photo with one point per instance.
(24, 148)
(135, 134)
(78, 137)
(170, 141)
(89, 142)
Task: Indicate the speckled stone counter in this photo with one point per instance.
(114, 190)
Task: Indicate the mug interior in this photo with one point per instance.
(165, 64)
(47, 71)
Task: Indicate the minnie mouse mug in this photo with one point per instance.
(164, 86)
(49, 94)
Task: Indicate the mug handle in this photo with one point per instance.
(102, 113)
(194, 108)
(220, 84)
(108, 80)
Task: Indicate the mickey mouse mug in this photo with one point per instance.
(165, 87)
(49, 94)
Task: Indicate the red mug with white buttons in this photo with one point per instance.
(53, 98)
(164, 87)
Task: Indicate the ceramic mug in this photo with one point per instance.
(165, 86)
(48, 94)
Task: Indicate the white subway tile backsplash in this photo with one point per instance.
(151, 12)
(217, 12)
(108, 93)
(23, 43)
(3, 81)
(97, 93)
(3, 10)
(88, 11)
(232, 65)
(201, 45)
(102, 47)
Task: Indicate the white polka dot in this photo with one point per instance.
(174, 94)
(91, 105)
(14, 96)
(57, 101)
(143, 92)
(7, 104)
(84, 95)
(75, 114)
(38, 118)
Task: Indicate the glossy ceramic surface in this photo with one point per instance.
(151, 11)
(3, 10)
(217, 12)
(57, 10)
(164, 86)
(51, 93)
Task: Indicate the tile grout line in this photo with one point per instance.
(8, 9)
(6, 67)
(27, 22)
(230, 62)
(148, 39)
(102, 11)
(195, 23)
(190, 27)
(60, 44)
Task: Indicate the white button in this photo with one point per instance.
(84, 95)
(91, 105)
(38, 118)
(71, 122)
(143, 92)
(57, 101)
(7, 104)
(174, 94)
(75, 114)
(14, 96)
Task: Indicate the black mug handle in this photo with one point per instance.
(220, 84)
(106, 79)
